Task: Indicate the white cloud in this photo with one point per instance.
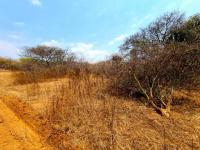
(118, 39)
(8, 49)
(53, 43)
(19, 24)
(36, 2)
(86, 51)
(89, 52)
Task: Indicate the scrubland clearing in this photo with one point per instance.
(146, 96)
(90, 120)
(15, 133)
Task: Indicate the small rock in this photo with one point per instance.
(1, 120)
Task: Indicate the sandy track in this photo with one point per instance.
(16, 135)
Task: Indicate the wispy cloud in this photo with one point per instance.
(179, 4)
(141, 22)
(118, 39)
(36, 2)
(14, 36)
(189, 7)
(8, 49)
(19, 24)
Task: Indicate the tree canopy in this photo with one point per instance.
(160, 58)
(46, 54)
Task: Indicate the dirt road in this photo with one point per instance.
(16, 135)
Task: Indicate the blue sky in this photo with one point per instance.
(93, 29)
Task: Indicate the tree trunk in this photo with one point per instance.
(163, 111)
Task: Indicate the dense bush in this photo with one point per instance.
(159, 59)
(8, 64)
(44, 62)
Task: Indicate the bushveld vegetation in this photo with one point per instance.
(6, 63)
(159, 59)
(92, 103)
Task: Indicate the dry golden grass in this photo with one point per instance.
(80, 108)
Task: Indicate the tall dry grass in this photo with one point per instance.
(39, 74)
(79, 106)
